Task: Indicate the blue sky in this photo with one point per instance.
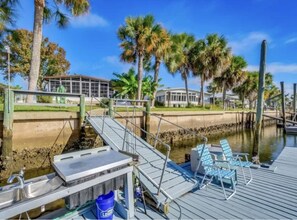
(93, 48)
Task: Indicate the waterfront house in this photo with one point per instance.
(176, 97)
(81, 84)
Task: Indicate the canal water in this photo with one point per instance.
(272, 142)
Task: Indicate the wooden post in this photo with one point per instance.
(147, 119)
(260, 101)
(110, 108)
(283, 105)
(8, 123)
(82, 109)
(294, 99)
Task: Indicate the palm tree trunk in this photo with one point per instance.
(200, 96)
(224, 96)
(156, 79)
(202, 92)
(213, 98)
(37, 38)
(185, 76)
(242, 103)
(139, 76)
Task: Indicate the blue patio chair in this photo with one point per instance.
(236, 160)
(213, 171)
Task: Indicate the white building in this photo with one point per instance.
(176, 97)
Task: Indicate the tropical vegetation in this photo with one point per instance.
(52, 57)
(44, 11)
(126, 85)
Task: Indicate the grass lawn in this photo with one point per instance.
(23, 108)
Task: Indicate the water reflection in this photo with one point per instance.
(272, 142)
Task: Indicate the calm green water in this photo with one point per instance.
(272, 142)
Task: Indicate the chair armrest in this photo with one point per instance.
(221, 161)
(241, 154)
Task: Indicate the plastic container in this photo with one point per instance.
(105, 204)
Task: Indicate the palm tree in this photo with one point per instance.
(149, 86)
(213, 88)
(210, 58)
(139, 37)
(125, 84)
(7, 14)
(248, 89)
(42, 12)
(179, 59)
(232, 76)
(161, 52)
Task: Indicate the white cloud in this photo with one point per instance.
(249, 42)
(291, 40)
(276, 68)
(89, 20)
(117, 64)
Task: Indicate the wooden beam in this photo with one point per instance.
(283, 105)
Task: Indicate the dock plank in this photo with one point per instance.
(286, 162)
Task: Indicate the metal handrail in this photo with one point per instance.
(156, 138)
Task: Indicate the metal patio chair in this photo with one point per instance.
(237, 160)
(213, 171)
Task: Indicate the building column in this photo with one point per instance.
(108, 90)
(99, 87)
(49, 86)
(80, 85)
(70, 85)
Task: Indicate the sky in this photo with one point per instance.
(92, 46)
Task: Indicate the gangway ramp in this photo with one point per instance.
(176, 181)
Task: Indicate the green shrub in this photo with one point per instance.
(44, 99)
(104, 103)
(159, 104)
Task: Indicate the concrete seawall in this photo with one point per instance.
(38, 136)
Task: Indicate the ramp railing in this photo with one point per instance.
(133, 134)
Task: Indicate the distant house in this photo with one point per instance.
(176, 97)
(80, 84)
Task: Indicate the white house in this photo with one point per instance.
(176, 97)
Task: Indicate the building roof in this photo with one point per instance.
(75, 76)
(176, 89)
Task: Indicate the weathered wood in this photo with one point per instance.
(283, 105)
(8, 123)
(110, 108)
(82, 109)
(294, 98)
(147, 119)
(260, 101)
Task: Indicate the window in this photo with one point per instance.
(66, 85)
(54, 85)
(94, 89)
(85, 88)
(75, 87)
(103, 89)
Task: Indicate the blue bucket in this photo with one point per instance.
(105, 204)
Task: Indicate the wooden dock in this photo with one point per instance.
(271, 195)
(286, 162)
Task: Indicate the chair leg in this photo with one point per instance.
(201, 184)
(233, 187)
(251, 177)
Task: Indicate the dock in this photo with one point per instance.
(269, 196)
(286, 162)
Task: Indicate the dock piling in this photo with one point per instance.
(259, 114)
